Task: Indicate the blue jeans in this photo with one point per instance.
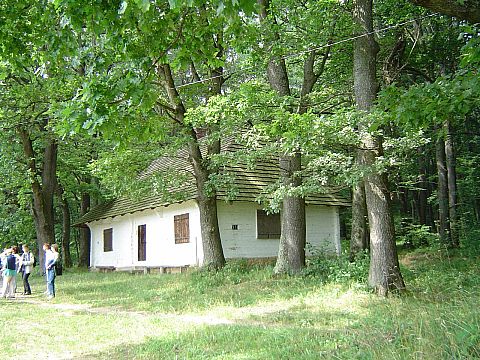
(51, 282)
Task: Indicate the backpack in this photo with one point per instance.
(11, 262)
(34, 261)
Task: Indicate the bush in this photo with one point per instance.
(414, 236)
(338, 269)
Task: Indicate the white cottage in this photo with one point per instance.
(151, 233)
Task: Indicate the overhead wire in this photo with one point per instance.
(297, 54)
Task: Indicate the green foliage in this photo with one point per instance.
(337, 269)
(471, 241)
(451, 92)
(233, 273)
(413, 235)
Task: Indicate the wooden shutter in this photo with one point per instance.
(142, 242)
(268, 225)
(182, 229)
(108, 240)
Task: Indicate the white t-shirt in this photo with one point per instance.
(49, 258)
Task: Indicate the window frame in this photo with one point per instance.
(181, 225)
(108, 240)
(269, 226)
(142, 242)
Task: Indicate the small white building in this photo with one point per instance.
(152, 234)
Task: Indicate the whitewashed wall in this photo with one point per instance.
(323, 230)
(160, 238)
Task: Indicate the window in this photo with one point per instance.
(268, 225)
(142, 242)
(108, 240)
(182, 229)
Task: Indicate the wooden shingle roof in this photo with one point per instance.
(248, 184)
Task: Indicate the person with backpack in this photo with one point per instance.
(9, 274)
(27, 261)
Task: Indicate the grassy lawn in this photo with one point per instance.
(244, 312)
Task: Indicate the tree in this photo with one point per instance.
(291, 253)
(143, 94)
(384, 275)
(437, 97)
(296, 89)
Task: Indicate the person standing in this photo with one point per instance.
(17, 268)
(9, 273)
(56, 255)
(49, 270)
(26, 265)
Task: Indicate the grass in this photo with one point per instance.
(244, 312)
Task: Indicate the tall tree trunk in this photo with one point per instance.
(42, 192)
(213, 257)
(291, 252)
(84, 233)
(207, 200)
(422, 195)
(442, 194)
(359, 236)
(384, 274)
(359, 232)
(66, 229)
(452, 184)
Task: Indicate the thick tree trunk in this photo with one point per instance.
(42, 192)
(212, 247)
(384, 274)
(43, 228)
(359, 234)
(213, 257)
(207, 203)
(291, 252)
(84, 234)
(442, 195)
(66, 231)
(452, 185)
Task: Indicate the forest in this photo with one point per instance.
(379, 100)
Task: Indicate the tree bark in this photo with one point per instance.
(384, 274)
(291, 252)
(42, 190)
(207, 204)
(452, 184)
(422, 196)
(84, 234)
(206, 199)
(442, 194)
(465, 10)
(359, 236)
(66, 230)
